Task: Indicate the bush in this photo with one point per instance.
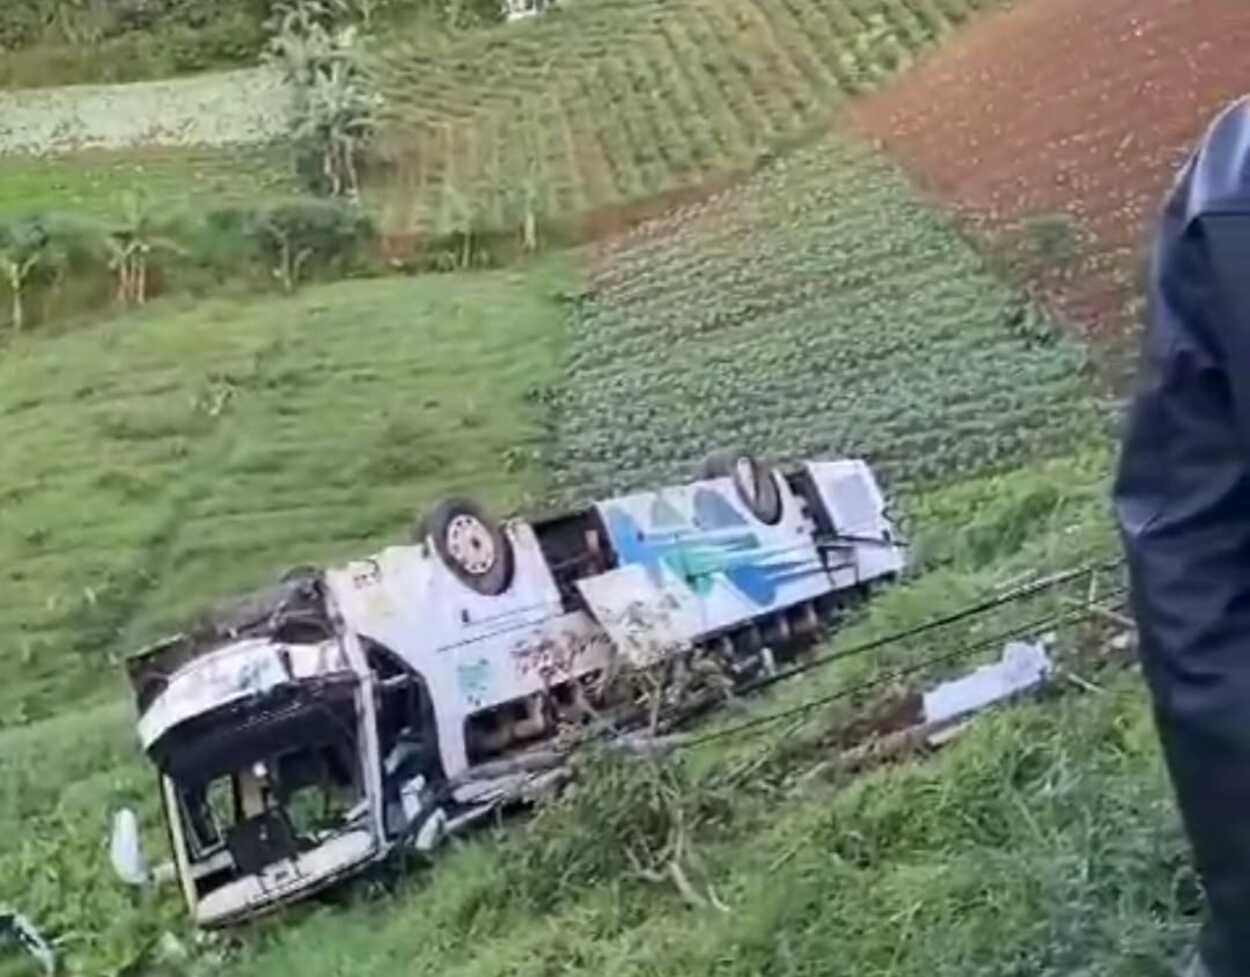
(80, 264)
(286, 241)
(625, 818)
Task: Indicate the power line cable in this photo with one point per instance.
(759, 722)
(974, 610)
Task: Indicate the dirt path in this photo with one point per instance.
(1073, 112)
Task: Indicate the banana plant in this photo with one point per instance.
(130, 244)
(25, 248)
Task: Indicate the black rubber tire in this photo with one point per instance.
(302, 572)
(495, 578)
(761, 495)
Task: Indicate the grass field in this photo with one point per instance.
(607, 103)
(818, 310)
(97, 183)
(166, 459)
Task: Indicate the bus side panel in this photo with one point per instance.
(696, 559)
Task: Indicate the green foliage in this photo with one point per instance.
(322, 58)
(71, 262)
(124, 40)
(623, 817)
(1000, 517)
(305, 236)
(819, 310)
(55, 42)
(41, 252)
(60, 782)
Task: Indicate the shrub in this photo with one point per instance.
(309, 233)
(38, 254)
(55, 264)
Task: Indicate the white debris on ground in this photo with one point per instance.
(222, 109)
(1023, 667)
(126, 850)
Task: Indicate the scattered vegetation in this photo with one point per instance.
(818, 310)
(24, 250)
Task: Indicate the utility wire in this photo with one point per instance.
(758, 723)
(1022, 592)
(1019, 593)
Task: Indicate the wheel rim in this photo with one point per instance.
(471, 545)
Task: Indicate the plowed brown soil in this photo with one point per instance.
(1057, 127)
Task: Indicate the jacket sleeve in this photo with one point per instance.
(1182, 499)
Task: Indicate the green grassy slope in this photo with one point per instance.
(1041, 843)
(608, 102)
(162, 460)
(820, 309)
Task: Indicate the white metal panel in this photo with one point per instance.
(856, 506)
(472, 651)
(238, 671)
(648, 618)
(305, 872)
(700, 561)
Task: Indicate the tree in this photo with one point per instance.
(460, 220)
(291, 235)
(130, 244)
(336, 101)
(338, 119)
(25, 248)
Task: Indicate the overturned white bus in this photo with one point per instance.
(311, 730)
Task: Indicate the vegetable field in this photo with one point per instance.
(604, 103)
(1057, 129)
(821, 309)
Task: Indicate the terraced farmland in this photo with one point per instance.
(819, 309)
(605, 103)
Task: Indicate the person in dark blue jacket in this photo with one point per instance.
(1182, 498)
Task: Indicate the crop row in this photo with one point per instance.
(611, 102)
(863, 326)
